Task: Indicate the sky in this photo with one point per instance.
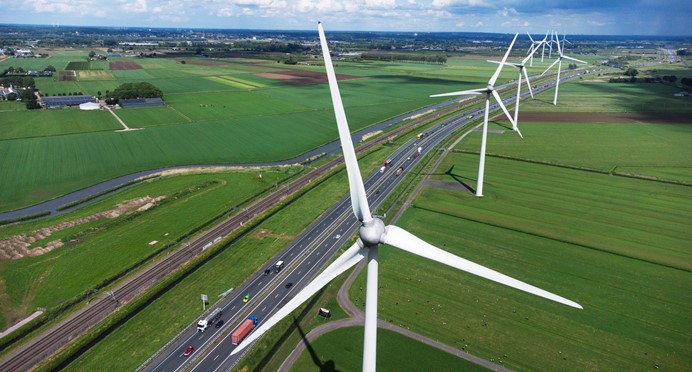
(591, 17)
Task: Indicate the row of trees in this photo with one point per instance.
(132, 90)
(405, 57)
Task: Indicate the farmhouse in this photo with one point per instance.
(4, 92)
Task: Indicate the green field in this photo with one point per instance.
(342, 350)
(46, 123)
(98, 250)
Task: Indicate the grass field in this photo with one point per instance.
(46, 123)
(106, 247)
(342, 350)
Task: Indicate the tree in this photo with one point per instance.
(92, 54)
(49, 68)
(631, 72)
(98, 94)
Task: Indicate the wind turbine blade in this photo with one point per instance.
(559, 50)
(518, 132)
(574, 59)
(549, 67)
(506, 63)
(406, 241)
(347, 260)
(460, 93)
(502, 105)
(504, 59)
(528, 83)
(530, 37)
(359, 200)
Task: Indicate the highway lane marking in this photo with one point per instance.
(233, 308)
(217, 357)
(263, 309)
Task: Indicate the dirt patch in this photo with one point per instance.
(67, 75)
(302, 77)
(124, 65)
(605, 117)
(264, 233)
(18, 246)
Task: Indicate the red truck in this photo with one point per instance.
(239, 334)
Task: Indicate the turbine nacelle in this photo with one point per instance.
(372, 232)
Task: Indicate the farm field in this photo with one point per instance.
(96, 250)
(342, 350)
(46, 123)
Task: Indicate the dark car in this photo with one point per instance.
(219, 323)
(266, 272)
(289, 285)
(189, 350)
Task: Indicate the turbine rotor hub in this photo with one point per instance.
(371, 232)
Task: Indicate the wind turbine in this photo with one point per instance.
(489, 90)
(372, 233)
(534, 47)
(545, 42)
(559, 68)
(522, 67)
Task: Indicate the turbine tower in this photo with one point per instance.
(522, 68)
(372, 233)
(489, 90)
(559, 68)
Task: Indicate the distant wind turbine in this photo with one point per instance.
(534, 47)
(522, 68)
(559, 68)
(372, 233)
(489, 90)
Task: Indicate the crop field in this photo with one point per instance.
(151, 116)
(26, 124)
(99, 249)
(95, 75)
(78, 65)
(597, 96)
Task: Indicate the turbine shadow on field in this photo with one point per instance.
(327, 366)
(456, 177)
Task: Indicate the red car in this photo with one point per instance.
(189, 350)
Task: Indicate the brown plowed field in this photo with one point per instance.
(124, 65)
(67, 75)
(302, 77)
(604, 117)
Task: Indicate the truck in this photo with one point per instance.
(279, 265)
(243, 330)
(209, 319)
(399, 171)
(387, 162)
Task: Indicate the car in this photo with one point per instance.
(246, 298)
(337, 236)
(267, 272)
(218, 324)
(189, 350)
(289, 284)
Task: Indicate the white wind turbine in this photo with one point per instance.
(559, 68)
(522, 68)
(372, 233)
(534, 47)
(489, 90)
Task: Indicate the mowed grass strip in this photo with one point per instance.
(95, 75)
(342, 350)
(24, 124)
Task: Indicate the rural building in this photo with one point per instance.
(59, 101)
(140, 102)
(86, 106)
(4, 92)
